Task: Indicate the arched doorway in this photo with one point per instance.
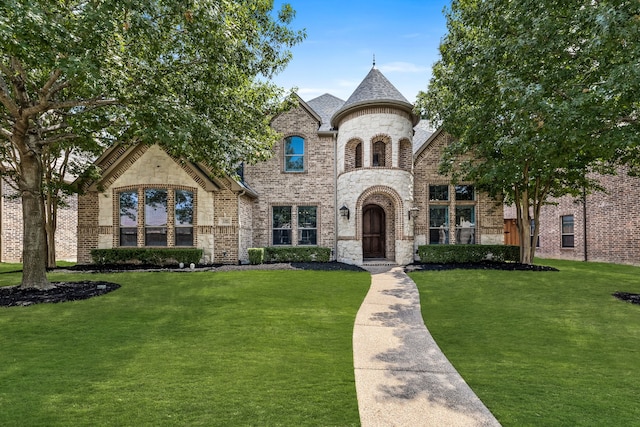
(373, 232)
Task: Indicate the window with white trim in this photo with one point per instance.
(567, 231)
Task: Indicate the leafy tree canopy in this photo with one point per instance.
(538, 94)
(191, 75)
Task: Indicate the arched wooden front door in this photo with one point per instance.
(373, 232)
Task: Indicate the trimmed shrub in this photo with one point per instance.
(256, 255)
(152, 256)
(441, 254)
(297, 254)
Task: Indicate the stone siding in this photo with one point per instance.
(151, 167)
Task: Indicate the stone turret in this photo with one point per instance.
(374, 164)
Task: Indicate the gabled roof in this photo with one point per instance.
(119, 157)
(325, 105)
(427, 143)
(375, 89)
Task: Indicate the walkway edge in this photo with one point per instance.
(402, 376)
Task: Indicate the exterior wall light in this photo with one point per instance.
(344, 212)
(413, 213)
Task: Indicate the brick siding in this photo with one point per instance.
(313, 187)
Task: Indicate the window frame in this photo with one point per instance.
(312, 231)
(287, 156)
(169, 229)
(442, 230)
(128, 229)
(564, 234)
(177, 225)
(282, 230)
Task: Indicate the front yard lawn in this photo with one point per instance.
(542, 348)
(192, 348)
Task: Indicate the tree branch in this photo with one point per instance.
(63, 105)
(6, 134)
(59, 138)
(45, 92)
(5, 96)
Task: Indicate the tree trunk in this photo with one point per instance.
(524, 227)
(51, 225)
(34, 243)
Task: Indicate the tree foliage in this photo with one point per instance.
(539, 95)
(191, 75)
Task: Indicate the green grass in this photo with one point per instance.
(542, 348)
(212, 349)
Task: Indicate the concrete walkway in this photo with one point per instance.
(402, 377)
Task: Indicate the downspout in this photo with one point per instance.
(584, 223)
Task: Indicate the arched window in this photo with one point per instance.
(294, 152)
(359, 155)
(379, 154)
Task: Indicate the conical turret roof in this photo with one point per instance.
(375, 89)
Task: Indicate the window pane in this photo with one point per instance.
(294, 154)
(307, 237)
(465, 225)
(282, 217)
(294, 145)
(129, 209)
(281, 237)
(464, 192)
(567, 241)
(307, 216)
(184, 236)
(379, 148)
(438, 225)
(128, 236)
(155, 236)
(438, 192)
(281, 225)
(184, 207)
(359, 155)
(567, 231)
(567, 224)
(294, 164)
(307, 225)
(155, 207)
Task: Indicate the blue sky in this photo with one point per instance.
(343, 36)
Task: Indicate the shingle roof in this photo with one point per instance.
(375, 88)
(325, 105)
(422, 131)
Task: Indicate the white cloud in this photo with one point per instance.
(402, 67)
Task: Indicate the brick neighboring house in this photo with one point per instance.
(344, 176)
(11, 227)
(610, 220)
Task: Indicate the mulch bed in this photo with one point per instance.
(484, 265)
(60, 292)
(626, 296)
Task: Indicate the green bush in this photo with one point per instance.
(153, 256)
(297, 254)
(438, 254)
(256, 256)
